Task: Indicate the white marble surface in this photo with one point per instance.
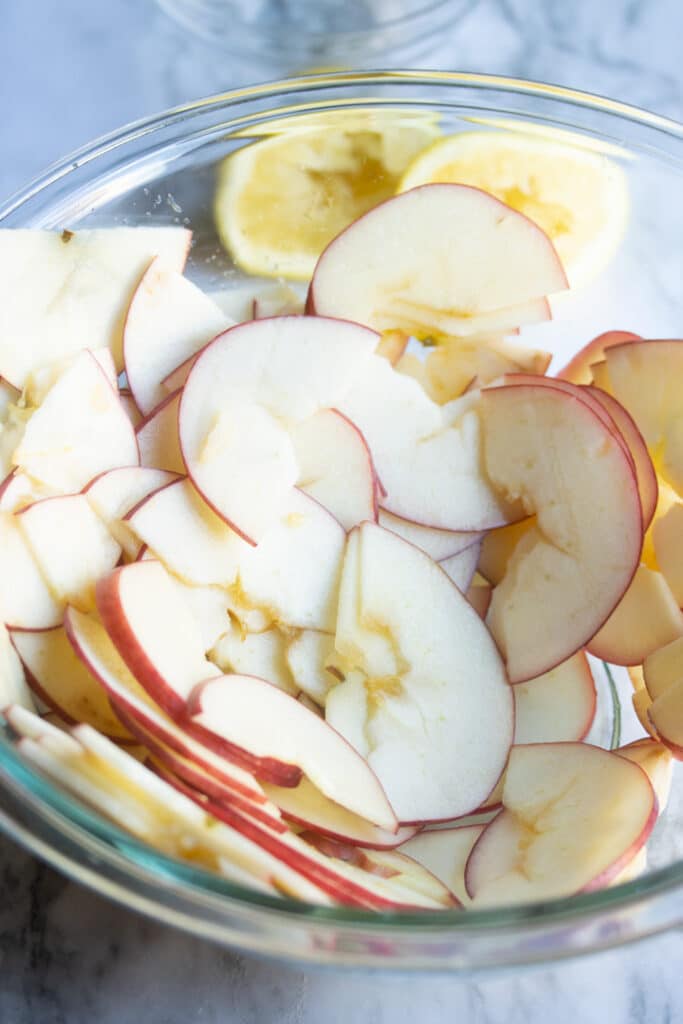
(68, 72)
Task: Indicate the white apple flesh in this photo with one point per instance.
(573, 566)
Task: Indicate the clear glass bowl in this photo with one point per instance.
(162, 170)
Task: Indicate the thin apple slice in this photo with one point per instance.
(307, 656)
(642, 702)
(646, 477)
(168, 321)
(157, 437)
(154, 632)
(461, 568)
(295, 570)
(114, 493)
(573, 816)
(428, 460)
(145, 804)
(61, 289)
(655, 760)
(255, 654)
(579, 368)
(71, 545)
(335, 466)
(93, 646)
(573, 566)
(293, 573)
(558, 706)
(389, 864)
(242, 390)
(392, 345)
(438, 544)
(307, 806)
(13, 688)
(268, 723)
(445, 853)
(182, 531)
(347, 883)
(667, 537)
(78, 431)
(437, 747)
(452, 278)
(646, 618)
(63, 682)
(663, 667)
(645, 377)
(208, 783)
(25, 599)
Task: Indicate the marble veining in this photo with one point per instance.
(69, 72)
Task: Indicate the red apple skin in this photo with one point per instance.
(402, 835)
(347, 852)
(577, 370)
(583, 394)
(198, 777)
(173, 739)
(124, 639)
(341, 889)
(605, 876)
(157, 409)
(648, 487)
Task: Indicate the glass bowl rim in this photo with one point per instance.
(571, 909)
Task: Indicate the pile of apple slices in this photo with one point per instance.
(295, 597)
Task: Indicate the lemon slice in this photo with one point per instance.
(578, 197)
(280, 200)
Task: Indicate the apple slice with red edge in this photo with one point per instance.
(572, 567)
(335, 466)
(558, 706)
(646, 476)
(157, 437)
(293, 573)
(130, 408)
(444, 852)
(114, 493)
(260, 808)
(579, 368)
(646, 618)
(79, 430)
(347, 883)
(425, 696)
(154, 632)
(645, 378)
(573, 816)
(438, 544)
(305, 805)
(384, 863)
(426, 456)
(71, 545)
(93, 646)
(168, 321)
(243, 391)
(253, 714)
(60, 289)
(655, 760)
(145, 804)
(665, 713)
(478, 257)
(62, 681)
(25, 599)
(497, 548)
